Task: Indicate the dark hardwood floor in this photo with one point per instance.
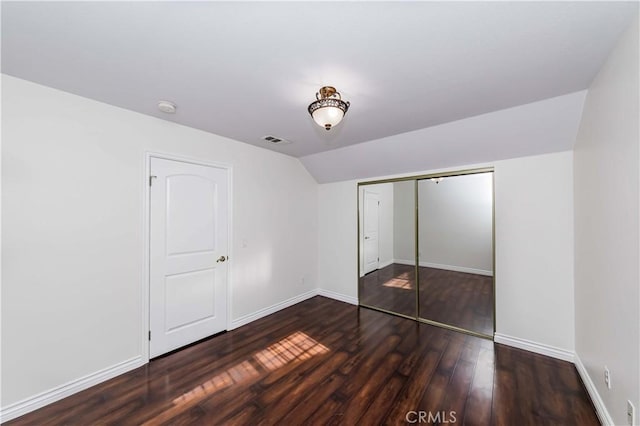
(457, 298)
(327, 362)
(392, 288)
(454, 298)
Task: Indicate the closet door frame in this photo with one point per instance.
(416, 179)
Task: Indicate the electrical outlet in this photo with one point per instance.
(607, 377)
(631, 413)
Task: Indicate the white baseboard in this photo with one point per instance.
(404, 262)
(338, 296)
(44, 398)
(601, 409)
(539, 348)
(565, 355)
(445, 267)
(457, 268)
(246, 319)
(27, 405)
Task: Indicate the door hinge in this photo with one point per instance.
(151, 178)
(149, 335)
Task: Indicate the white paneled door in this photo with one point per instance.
(370, 218)
(188, 253)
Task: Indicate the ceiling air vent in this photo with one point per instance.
(275, 141)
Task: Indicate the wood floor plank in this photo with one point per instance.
(326, 362)
(294, 391)
(457, 393)
(242, 417)
(360, 401)
(383, 400)
(309, 404)
(368, 364)
(478, 410)
(329, 412)
(413, 390)
(436, 391)
(505, 407)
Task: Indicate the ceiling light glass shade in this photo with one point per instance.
(329, 108)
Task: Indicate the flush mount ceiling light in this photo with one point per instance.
(167, 107)
(329, 108)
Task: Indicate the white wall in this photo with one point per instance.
(607, 213)
(404, 223)
(338, 239)
(456, 223)
(534, 246)
(534, 249)
(72, 246)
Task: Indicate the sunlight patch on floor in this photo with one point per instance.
(236, 374)
(399, 283)
(297, 346)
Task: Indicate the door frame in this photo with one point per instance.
(364, 224)
(416, 178)
(146, 227)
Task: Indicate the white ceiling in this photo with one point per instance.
(537, 128)
(245, 70)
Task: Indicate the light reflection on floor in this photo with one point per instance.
(293, 348)
(398, 282)
(236, 374)
(296, 347)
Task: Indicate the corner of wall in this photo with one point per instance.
(598, 403)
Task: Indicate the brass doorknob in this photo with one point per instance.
(221, 259)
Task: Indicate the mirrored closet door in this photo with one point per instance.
(425, 248)
(455, 250)
(387, 279)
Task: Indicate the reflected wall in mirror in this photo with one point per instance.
(455, 223)
(387, 238)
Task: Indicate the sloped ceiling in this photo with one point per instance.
(244, 70)
(537, 128)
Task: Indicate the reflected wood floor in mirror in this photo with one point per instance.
(392, 288)
(327, 362)
(457, 298)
